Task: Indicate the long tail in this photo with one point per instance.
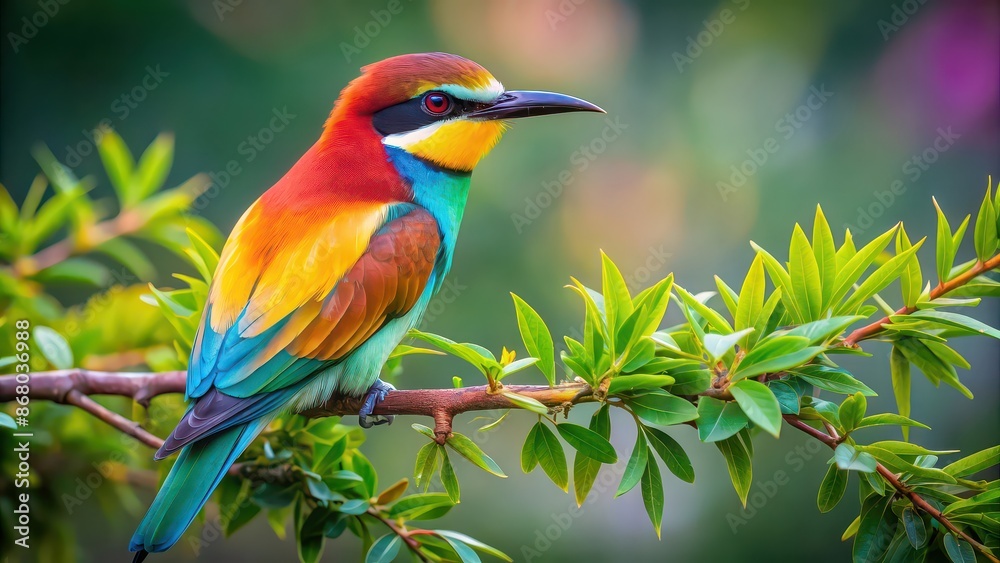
(198, 471)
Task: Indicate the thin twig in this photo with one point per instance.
(132, 428)
(877, 327)
(893, 480)
(413, 544)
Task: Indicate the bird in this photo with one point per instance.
(324, 274)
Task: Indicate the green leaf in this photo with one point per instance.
(899, 368)
(878, 525)
(154, 164)
(852, 528)
(848, 458)
(448, 477)
(672, 454)
(823, 329)
(660, 407)
(852, 410)
(759, 404)
(729, 297)
(846, 250)
(588, 442)
(310, 548)
(804, 273)
(636, 382)
(474, 543)
(718, 420)
(525, 402)
(119, 164)
(76, 270)
(737, 452)
(636, 465)
(550, 456)
(529, 459)
(384, 550)
(470, 451)
(774, 355)
(655, 299)
(781, 280)
(751, 300)
(826, 255)
(717, 345)
(913, 524)
(933, 367)
(956, 320)
(651, 486)
(856, 266)
(889, 419)
(911, 280)
(983, 502)
(585, 468)
(617, 301)
(421, 506)
(974, 463)
(536, 337)
(832, 379)
(906, 448)
(945, 251)
(53, 347)
(985, 235)
(7, 421)
(715, 320)
(788, 398)
(467, 352)
(958, 550)
(831, 490)
(880, 278)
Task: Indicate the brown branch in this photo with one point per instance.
(68, 386)
(877, 327)
(918, 501)
(132, 428)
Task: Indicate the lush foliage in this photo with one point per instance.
(742, 363)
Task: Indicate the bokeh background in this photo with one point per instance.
(856, 95)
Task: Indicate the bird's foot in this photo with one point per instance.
(375, 395)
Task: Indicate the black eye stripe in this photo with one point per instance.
(411, 115)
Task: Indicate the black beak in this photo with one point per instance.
(526, 103)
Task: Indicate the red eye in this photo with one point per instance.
(437, 103)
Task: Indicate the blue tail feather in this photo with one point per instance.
(198, 471)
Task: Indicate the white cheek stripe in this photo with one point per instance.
(410, 138)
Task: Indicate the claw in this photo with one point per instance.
(375, 395)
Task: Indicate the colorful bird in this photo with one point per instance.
(327, 271)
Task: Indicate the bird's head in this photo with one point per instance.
(441, 108)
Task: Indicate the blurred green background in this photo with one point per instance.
(854, 96)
